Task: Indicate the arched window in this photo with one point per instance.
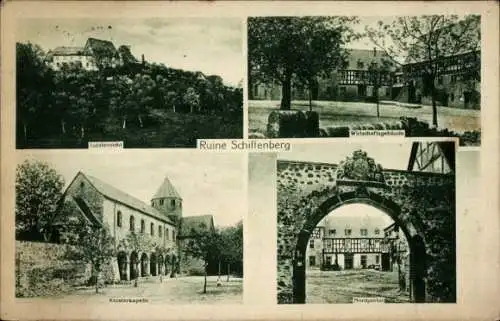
(143, 226)
(166, 233)
(132, 223)
(119, 219)
(172, 203)
(159, 231)
(377, 231)
(173, 236)
(161, 202)
(152, 229)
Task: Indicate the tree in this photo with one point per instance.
(119, 101)
(426, 40)
(75, 96)
(142, 98)
(301, 48)
(38, 192)
(378, 74)
(137, 242)
(95, 246)
(191, 99)
(231, 246)
(205, 245)
(33, 80)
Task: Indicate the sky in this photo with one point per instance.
(210, 45)
(365, 42)
(357, 215)
(391, 155)
(208, 184)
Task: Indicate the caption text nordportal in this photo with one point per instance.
(368, 300)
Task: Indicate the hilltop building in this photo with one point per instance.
(96, 54)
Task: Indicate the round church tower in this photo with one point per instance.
(168, 201)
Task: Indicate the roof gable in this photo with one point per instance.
(101, 46)
(196, 224)
(115, 194)
(166, 190)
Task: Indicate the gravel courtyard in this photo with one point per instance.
(337, 113)
(180, 290)
(343, 286)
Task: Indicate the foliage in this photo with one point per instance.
(74, 104)
(95, 246)
(191, 99)
(426, 40)
(33, 83)
(203, 244)
(231, 245)
(300, 48)
(38, 191)
(137, 242)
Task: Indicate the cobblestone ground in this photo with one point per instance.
(180, 290)
(343, 286)
(336, 113)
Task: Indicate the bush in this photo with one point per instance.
(194, 271)
(342, 131)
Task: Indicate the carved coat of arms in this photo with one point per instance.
(360, 167)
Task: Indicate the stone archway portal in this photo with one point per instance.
(391, 209)
(421, 204)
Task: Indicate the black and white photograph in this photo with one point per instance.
(325, 76)
(366, 223)
(97, 227)
(149, 83)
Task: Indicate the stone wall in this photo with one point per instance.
(423, 204)
(42, 270)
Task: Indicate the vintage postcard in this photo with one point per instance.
(266, 160)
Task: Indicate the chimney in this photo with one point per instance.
(374, 51)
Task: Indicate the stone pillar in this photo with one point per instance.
(139, 268)
(115, 269)
(127, 270)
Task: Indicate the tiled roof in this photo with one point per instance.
(124, 198)
(166, 190)
(67, 51)
(196, 224)
(366, 57)
(100, 44)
